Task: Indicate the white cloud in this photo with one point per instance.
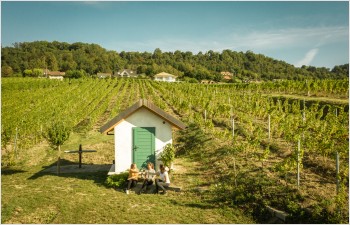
(293, 37)
(309, 56)
(257, 41)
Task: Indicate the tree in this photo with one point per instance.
(217, 77)
(76, 74)
(57, 134)
(51, 62)
(67, 61)
(37, 72)
(92, 58)
(157, 54)
(27, 73)
(6, 71)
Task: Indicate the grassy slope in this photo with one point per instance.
(31, 196)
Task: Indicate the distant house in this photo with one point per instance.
(126, 73)
(227, 75)
(104, 75)
(55, 75)
(163, 76)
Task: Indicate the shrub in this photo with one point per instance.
(117, 180)
(168, 155)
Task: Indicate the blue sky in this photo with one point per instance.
(300, 33)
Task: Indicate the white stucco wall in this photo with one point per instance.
(168, 79)
(123, 136)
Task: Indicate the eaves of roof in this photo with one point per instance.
(142, 103)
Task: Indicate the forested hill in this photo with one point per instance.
(92, 58)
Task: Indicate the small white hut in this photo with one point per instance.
(163, 76)
(140, 135)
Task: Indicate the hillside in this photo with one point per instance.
(238, 154)
(92, 58)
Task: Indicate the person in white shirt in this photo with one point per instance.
(149, 176)
(163, 181)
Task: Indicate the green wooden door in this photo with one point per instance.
(143, 146)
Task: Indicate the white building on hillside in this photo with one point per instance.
(165, 77)
(140, 135)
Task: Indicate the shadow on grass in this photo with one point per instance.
(8, 171)
(201, 205)
(95, 172)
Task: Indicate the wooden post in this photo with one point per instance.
(298, 165)
(80, 154)
(59, 159)
(233, 127)
(205, 115)
(304, 118)
(337, 172)
(269, 127)
(234, 170)
(58, 165)
(15, 147)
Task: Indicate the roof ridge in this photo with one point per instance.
(137, 105)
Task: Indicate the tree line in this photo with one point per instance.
(82, 59)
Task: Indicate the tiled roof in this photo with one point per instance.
(225, 73)
(142, 103)
(128, 71)
(164, 74)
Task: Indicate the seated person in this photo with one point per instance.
(149, 175)
(163, 181)
(132, 178)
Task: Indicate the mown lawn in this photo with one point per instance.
(31, 196)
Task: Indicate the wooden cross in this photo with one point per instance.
(80, 152)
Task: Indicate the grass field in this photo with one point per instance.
(30, 195)
(224, 179)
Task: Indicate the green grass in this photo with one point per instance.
(87, 139)
(30, 195)
(36, 197)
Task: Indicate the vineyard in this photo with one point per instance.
(259, 145)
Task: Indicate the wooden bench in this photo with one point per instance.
(173, 188)
(277, 213)
(170, 188)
